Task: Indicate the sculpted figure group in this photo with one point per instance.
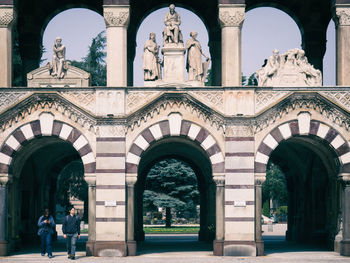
(289, 69)
(172, 36)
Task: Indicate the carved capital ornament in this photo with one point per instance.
(231, 16)
(7, 16)
(342, 16)
(116, 16)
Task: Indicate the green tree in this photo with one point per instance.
(172, 184)
(94, 61)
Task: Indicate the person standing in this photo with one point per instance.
(71, 231)
(46, 225)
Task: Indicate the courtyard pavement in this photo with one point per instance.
(185, 248)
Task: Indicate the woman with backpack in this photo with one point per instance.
(46, 226)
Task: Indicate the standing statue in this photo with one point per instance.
(151, 61)
(172, 32)
(266, 73)
(58, 60)
(195, 68)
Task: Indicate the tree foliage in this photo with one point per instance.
(172, 184)
(94, 61)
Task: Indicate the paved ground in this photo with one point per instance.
(185, 248)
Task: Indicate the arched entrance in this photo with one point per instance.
(313, 156)
(182, 140)
(32, 158)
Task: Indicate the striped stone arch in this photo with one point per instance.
(46, 126)
(302, 126)
(175, 127)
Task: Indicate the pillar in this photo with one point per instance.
(91, 180)
(345, 243)
(220, 216)
(4, 180)
(6, 21)
(231, 18)
(131, 243)
(258, 206)
(342, 23)
(117, 20)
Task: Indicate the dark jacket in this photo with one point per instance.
(71, 225)
(45, 227)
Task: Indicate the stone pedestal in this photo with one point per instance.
(6, 21)
(342, 22)
(231, 18)
(174, 63)
(117, 21)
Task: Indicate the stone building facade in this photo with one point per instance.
(227, 133)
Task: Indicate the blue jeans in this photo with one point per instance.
(71, 240)
(46, 243)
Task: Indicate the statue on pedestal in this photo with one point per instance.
(195, 68)
(151, 61)
(58, 65)
(172, 32)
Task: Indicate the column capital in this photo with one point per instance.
(7, 15)
(341, 14)
(90, 179)
(116, 15)
(231, 15)
(345, 178)
(259, 178)
(219, 180)
(131, 179)
(5, 179)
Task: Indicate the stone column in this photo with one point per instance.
(342, 23)
(131, 243)
(258, 205)
(6, 20)
(117, 21)
(91, 180)
(220, 216)
(345, 243)
(4, 180)
(231, 18)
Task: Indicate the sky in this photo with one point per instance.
(260, 36)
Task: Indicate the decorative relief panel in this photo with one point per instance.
(10, 98)
(84, 99)
(265, 98)
(340, 97)
(211, 98)
(136, 99)
(239, 131)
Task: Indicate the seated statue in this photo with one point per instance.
(172, 32)
(58, 65)
(268, 71)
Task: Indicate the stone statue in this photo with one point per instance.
(289, 69)
(151, 61)
(195, 68)
(172, 32)
(58, 65)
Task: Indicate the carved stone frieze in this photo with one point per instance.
(265, 98)
(210, 98)
(340, 97)
(116, 16)
(231, 16)
(7, 16)
(342, 16)
(176, 101)
(84, 99)
(112, 130)
(10, 98)
(239, 130)
(136, 99)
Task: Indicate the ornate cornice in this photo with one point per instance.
(116, 16)
(176, 101)
(231, 16)
(7, 16)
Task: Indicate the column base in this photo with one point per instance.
(110, 249)
(259, 248)
(132, 248)
(345, 248)
(90, 248)
(236, 248)
(3, 248)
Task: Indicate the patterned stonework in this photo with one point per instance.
(84, 99)
(7, 15)
(137, 99)
(10, 98)
(340, 97)
(231, 16)
(239, 131)
(116, 16)
(213, 99)
(265, 98)
(111, 131)
(342, 17)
